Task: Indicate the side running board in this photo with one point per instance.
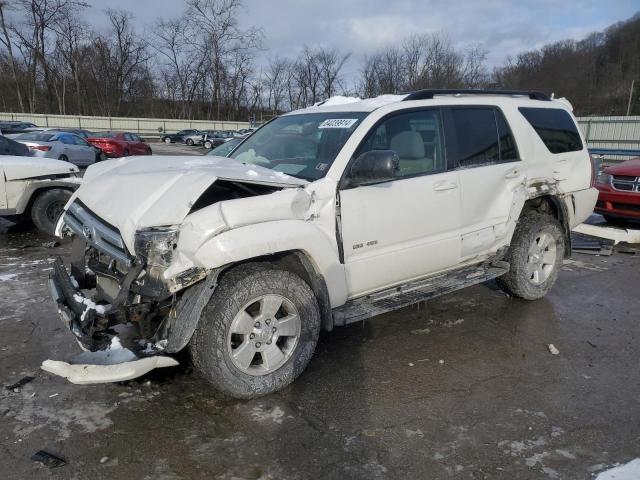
(407, 294)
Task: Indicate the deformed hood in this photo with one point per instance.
(138, 192)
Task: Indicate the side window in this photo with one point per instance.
(128, 137)
(555, 127)
(508, 148)
(474, 139)
(416, 137)
(66, 139)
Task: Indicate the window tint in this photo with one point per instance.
(128, 137)
(417, 139)
(508, 148)
(476, 137)
(555, 127)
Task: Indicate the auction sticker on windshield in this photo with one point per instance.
(338, 123)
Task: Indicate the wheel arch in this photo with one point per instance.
(555, 206)
(33, 191)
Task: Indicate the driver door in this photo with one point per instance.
(407, 228)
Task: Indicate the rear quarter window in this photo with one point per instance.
(555, 127)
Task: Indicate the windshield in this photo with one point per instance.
(225, 149)
(302, 146)
(36, 137)
(105, 135)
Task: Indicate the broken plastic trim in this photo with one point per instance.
(85, 374)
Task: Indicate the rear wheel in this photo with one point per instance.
(125, 153)
(189, 142)
(535, 256)
(208, 145)
(47, 208)
(258, 331)
(64, 158)
(167, 140)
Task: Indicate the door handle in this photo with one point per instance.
(442, 186)
(513, 174)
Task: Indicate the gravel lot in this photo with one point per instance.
(463, 386)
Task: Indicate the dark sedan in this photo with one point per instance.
(178, 137)
(11, 147)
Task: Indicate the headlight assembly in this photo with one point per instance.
(156, 245)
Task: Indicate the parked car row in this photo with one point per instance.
(78, 146)
(207, 138)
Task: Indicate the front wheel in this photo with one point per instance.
(258, 331)
(189, 142)
(167, 140)
(535, 256)
(208, 145)
(47, 208)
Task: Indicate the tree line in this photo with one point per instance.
(204, 65)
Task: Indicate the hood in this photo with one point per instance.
(139, 192)
(24, 168)
(629, 168)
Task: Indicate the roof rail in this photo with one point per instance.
(428, 94)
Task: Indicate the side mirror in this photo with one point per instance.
(374, 166)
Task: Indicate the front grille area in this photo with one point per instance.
(626, 206)
(105, 238)
(626, 183)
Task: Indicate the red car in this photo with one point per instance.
(119, 144)
(619, 187)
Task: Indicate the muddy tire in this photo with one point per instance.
(47, 207)
(258, 331)
(535, 256)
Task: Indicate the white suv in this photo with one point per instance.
(323, 217)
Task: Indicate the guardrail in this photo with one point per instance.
(146, 127)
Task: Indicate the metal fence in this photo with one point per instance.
(147, 127)
(621, 133)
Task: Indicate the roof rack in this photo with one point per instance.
(430, 93)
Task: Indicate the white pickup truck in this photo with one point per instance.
(36, 189)
(323, 217)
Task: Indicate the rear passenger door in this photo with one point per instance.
(406, 228)
(483, 149)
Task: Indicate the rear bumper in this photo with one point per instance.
(616, 203)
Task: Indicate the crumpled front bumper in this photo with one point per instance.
(75, 310)
(106, 360)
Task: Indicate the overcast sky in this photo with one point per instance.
(503, 27)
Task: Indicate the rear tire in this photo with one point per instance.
(125, 153)
(47, 208)
(240, 344)
(208, 145)
(63, 158)
(535, 256)
(189, 142)
(167, 140)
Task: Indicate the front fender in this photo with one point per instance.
(251, 241)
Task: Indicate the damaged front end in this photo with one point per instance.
(112, 300)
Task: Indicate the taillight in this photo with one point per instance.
(42, 148)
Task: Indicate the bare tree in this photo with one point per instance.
(7, 41)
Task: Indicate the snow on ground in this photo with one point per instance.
(628, 471)
(5, 277)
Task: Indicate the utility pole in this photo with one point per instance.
(630, 97)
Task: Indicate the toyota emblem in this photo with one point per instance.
(87, 232)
